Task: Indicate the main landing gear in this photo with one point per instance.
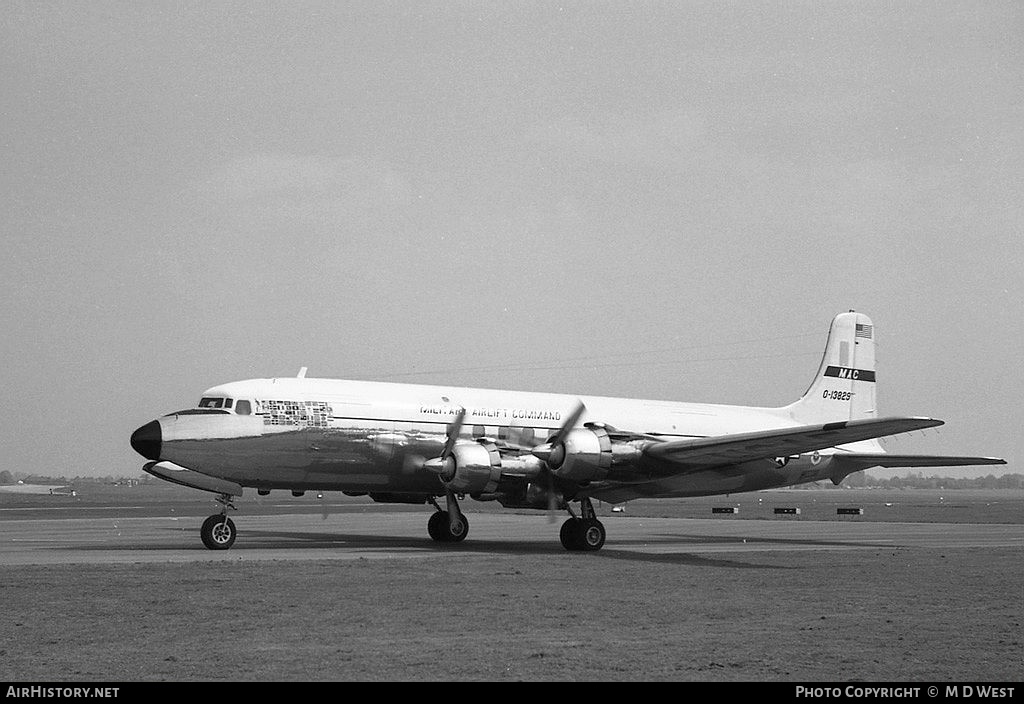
(578, 533)
(584, 532)
(449, 526)
(218, 531)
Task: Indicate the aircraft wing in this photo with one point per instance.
(744, 447)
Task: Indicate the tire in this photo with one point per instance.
(435, 525)
(579, 534)
(571, 534)
(218, 532)
(440, 528)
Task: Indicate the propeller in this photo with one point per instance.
(444, 466)
(552, 453)
(413, 463)
(547, 478)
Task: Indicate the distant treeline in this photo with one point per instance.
(7, 477)
(919, 481)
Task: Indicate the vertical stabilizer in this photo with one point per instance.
(844, 387)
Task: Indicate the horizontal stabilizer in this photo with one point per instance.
(745, 447)
(844, 464)
(864, 460)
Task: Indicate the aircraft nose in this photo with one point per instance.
(146, 440)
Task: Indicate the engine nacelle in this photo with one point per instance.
(586, 454)
(473, 468)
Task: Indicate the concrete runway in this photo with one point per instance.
(154, 534)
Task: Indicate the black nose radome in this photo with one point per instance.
(146, 440)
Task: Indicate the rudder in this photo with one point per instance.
(844, 386)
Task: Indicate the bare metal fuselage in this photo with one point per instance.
(320, 434)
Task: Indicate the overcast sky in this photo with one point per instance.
(655, 199)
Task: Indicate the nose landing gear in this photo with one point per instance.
(218, 531)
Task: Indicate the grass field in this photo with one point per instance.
(889, 615)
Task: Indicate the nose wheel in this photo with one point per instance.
(218, 531)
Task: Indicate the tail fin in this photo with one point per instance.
(844, 387)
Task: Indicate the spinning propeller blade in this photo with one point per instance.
(453, 434)
(552, 453)
(444, 465)
(568, 425)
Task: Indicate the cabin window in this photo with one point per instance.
(243, 407)
(211, 402)
(478, 431)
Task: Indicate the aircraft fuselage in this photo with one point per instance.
(355, 436)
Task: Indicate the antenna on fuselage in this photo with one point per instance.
(301, 374)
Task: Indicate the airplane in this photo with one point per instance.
(49, 489)
(413, 443)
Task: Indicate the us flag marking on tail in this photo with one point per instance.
(862, 331)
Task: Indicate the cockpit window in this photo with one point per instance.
(243, 407)
(211, 402)
(227, 403)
